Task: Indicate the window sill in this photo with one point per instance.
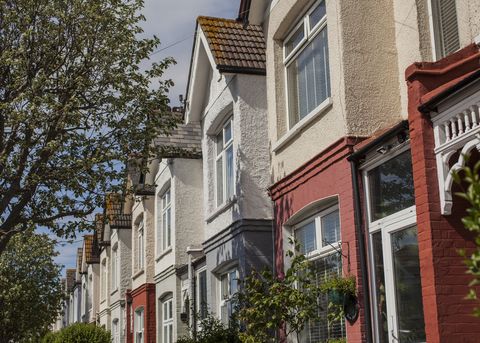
(114, 291)
(137, 274)
(298, 127)
(222, 208)
(165, 252)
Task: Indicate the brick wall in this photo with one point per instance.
(326, 175)
(444, 282)
(143, 296)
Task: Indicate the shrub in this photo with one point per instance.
(213, 330)
(79, 333)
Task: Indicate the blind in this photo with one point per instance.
(447, 27)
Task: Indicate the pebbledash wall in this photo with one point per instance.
(444, 282)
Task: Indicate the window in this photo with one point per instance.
(306, 64)
(140, 245)
(202, 294)
(445, 27)
(103, 281)
(90, 292)
(166, 220)
(115, 331)
(114, 268)
(319, 239)
(224, 163)
(139, 325)
(393, 247)
(167, 321)
(228, 288)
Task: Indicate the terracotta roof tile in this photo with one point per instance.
(235, 48)
(92, 254)
(114, 209)
(100, 230)
(70, 276)
(79, 259)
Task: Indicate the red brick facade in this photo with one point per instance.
(444, 282)
(327, 175)
(143, 296)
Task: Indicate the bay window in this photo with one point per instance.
(167, 321)
(393, 248)
(140, 246)
(224, 164)
(114, 267)
(228, 289)
(166, 220)
(139, 325)
(306, 64)
(319, 240)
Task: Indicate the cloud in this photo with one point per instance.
(174, 21)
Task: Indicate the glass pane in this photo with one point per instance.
(169, 227)
(219, 181)
(224, 282)
(408, 291)
(330, 228)
(228, 132)
(322, 330)
(391, 186)
(229, 171)
(308, 78)
(219, 140)
(170, 309)
(233, 282)
(294, 40)
(170, 330)
(202, 290)
(379, 288)
(306, 236)
(318, 13)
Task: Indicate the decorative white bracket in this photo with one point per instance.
(457, 133)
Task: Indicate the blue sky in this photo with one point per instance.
(174, 23)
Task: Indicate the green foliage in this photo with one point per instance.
(268, 302)
(337, 340)
(213, 330)
(79, 333)
(337, 288)
(74, 105)
(30, 288)
(471, 178)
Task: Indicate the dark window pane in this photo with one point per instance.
(202, 294)
(391, 186)
(318, 13)
(379, 287)
(406, 269)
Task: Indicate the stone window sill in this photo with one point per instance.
(298, 127)
(137, 274)
(219, 210)
(165, 252)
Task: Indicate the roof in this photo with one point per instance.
(70, 276)
(100, 229)
(235, 48)
(79, 259)
(92, 254)
(185, 141)
(114, 210)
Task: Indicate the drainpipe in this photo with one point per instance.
(193, 253)
(361, 248)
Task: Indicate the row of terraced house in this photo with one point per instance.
(312, 120)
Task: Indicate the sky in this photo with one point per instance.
(173, 21)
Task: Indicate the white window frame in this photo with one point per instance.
(166, 208)
(224, 301)
(388, 225)
(104, 278)
(322, 249)
(114, 267)
(197, 277)
(139, 320)
(167, 322)
(222, 155)
(435, 31)
(309, 34)
(140, 245)
(116, 330)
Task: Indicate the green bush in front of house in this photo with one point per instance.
(79, 333)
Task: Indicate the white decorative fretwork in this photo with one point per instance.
(457, 130)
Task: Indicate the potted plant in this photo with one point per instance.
(342, 297)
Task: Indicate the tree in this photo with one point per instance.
(30, 288)
(471, 178)
(268, 302)
(74, 105)
(79, 333)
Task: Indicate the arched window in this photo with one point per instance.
(139, 324)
